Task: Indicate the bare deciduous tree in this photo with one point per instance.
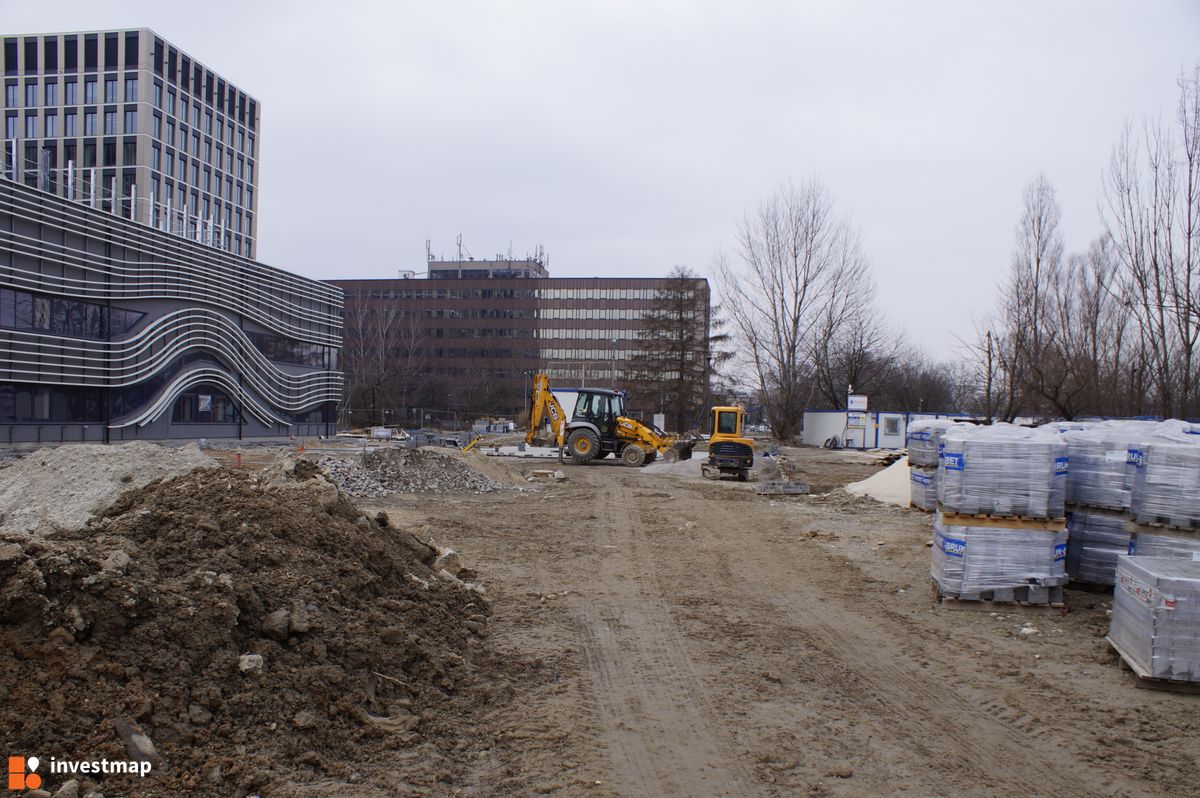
(800, 278)
(1152, 203)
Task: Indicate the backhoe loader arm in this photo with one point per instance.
(544, 406)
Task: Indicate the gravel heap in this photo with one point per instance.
(63, 486)
(386, 471)
(248, 633)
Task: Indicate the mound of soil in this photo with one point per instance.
(142, 621)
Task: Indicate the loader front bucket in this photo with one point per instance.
(680, 450)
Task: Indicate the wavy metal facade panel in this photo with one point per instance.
(197, 322)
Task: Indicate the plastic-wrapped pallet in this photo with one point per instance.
(967, 560)
(1102, 466)
(1166, 480)
(1095, 540)
(1003, 470)
(1153, 544)
(925, 440)
(923, 482)
(1156, 616)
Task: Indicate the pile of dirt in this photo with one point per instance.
(33, 490)
(258, 629)
(386, 471)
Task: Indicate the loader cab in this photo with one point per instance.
(601, 409)
(727, 421)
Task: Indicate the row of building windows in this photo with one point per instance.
(50, 129)
(71, 318)
(48, 95)
(590, 333)
(297, 353)
(204, 405)
(588, 354)
(619, 314)
(588, 294)
(48, 58)
(25, 402)
(198, 205)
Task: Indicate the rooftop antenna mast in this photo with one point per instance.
(428, 250)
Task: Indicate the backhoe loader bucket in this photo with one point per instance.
(681, 449)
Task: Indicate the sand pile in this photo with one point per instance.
(256, 628)
(890, 486)
(385, 471)
(65, 485)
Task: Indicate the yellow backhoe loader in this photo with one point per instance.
(596, 427)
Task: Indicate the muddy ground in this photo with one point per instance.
(689, 638)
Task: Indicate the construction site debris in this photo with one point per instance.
(384, 472)
(198, 614)
(32, 495)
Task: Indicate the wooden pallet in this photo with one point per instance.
(1008, 599)
(1005, 521)
(927, 510)
(1145, 680)
(1160, 528)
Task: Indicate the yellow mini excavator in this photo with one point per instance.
(596, 427)
(729, 453)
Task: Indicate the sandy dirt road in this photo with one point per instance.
(691, 638)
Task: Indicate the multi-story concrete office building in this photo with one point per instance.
(117, 319)
(123, 119)
(468, 344)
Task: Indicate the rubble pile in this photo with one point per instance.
(386, 471)
(246, 633)
(34, 490)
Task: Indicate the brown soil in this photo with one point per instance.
(706, 641)
(650, 635)
(143, 615)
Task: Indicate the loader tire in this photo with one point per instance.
(633, 455)
(583, 445)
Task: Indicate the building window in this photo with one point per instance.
(131, 90)
(10, 126)
(208, 123)
(170, 163)
(170, 133)
(171, 101)
(249, 173)
(204, 405)
(157, 94)
(51, 95)
(156, 126)
(155, 157)
(195, 116)
(110, 90)
(71, 92)
(31, 126)
(69, 124)
(131, 121)
(51, 125)
(89, 91)
(110, 123)
(31, 95)
(10, 95)
(89, 123)
(207, 151)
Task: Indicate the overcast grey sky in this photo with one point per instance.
(627, 137)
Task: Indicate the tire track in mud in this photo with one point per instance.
(663, 738)
(980, 748)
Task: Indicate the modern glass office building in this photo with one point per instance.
(124, 313)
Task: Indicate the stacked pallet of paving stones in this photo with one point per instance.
(1155, 623)
(1099, 489)
(1165, 496)
(924, 453)
(1000, 533)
